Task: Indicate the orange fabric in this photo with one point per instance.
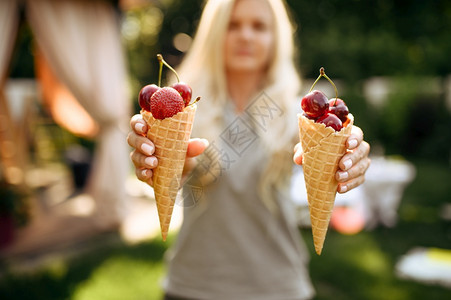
(61, 103)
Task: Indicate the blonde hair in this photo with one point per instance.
(203, 69)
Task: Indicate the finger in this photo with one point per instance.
(196, 147)
(142, 161)
(138, 125)
(357, 170)
(351, 184)
(352, 158)
(140, 143)
(297, 158)
(355, 138)
(296, 147)
(190, 164)
(145, 175)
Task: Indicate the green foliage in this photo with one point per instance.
(414, 119)
(356, 39)
(14, 202)
(22, 60)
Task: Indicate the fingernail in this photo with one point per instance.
(147, 149)
(343, 175)
(144, 172)
(347, 163)
(298, 152)
(352, 143)
(205, 142)
(139, 127)
(296, 147)
(343, 188)
(150, 161)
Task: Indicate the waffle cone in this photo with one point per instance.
(323, 148)
(170, 137)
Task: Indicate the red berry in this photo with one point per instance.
(145, 94)
(331, 120)
(184, 90)
(338, 107)
(165, 103)
(315, 104)
(308, 117)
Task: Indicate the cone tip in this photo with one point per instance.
(318, 250)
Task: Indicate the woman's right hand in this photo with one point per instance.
(143, 154)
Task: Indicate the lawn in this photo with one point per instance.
(360, 266)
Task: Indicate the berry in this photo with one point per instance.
(331, 120)
(165, 103)
(145, 94)
(308, 117)
(332, 113)
(338, 107)
(315, 104)
(184, 90)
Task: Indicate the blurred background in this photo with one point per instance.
(75, 224)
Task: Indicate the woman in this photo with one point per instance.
(240, 240)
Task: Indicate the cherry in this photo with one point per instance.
(184, 90)
(145, 94)
(308, 117)
(331, 120)
(315, 104)
(339, 108)
(332, 113)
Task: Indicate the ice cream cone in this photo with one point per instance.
(170, 137)
(323, 148)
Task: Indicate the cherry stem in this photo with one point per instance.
(331, 82)
(322, 73)
(161, 69)
(162, 61)
(195, 101)
(317, 79)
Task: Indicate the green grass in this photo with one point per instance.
(360, 266)
(118, 272)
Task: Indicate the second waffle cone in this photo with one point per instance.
(323, 148)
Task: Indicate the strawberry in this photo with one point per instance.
(165, 103)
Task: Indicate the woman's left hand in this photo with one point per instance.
(352, 166)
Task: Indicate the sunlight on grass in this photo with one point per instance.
(370, 259)
(122, 277)
(58, 268)
(359, 270)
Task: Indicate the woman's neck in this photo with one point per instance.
(242, 86)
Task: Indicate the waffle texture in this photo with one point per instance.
(170, 137)
(323, 148)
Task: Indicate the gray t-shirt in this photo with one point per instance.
(230, 245)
